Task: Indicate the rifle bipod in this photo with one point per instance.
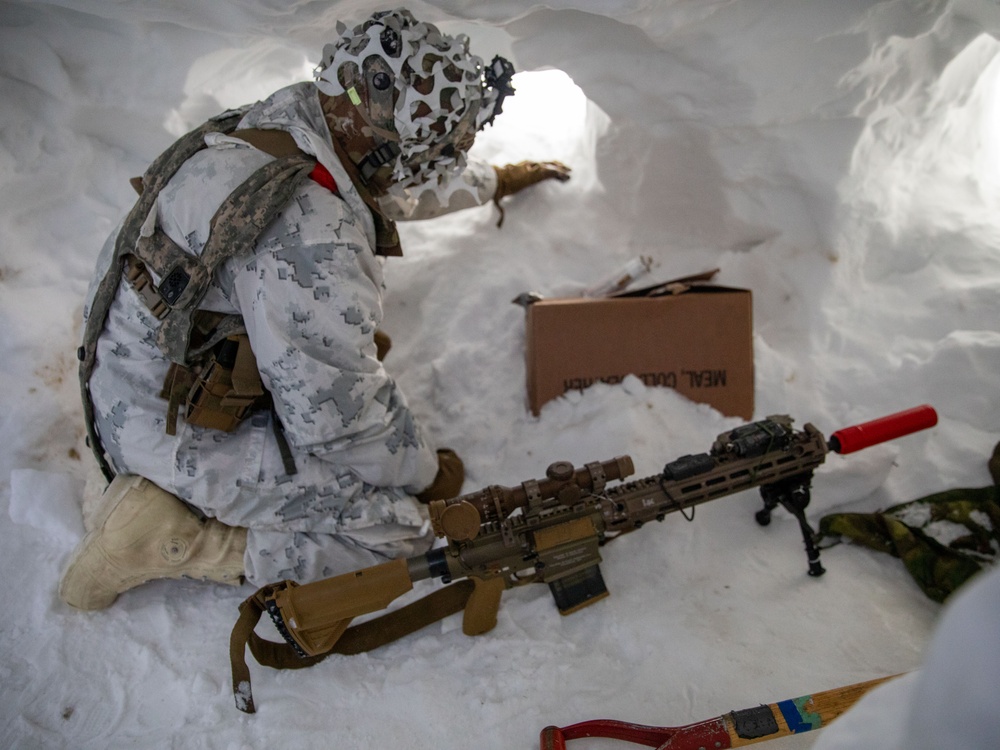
(793, 495)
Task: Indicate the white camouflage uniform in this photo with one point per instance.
(311, 298)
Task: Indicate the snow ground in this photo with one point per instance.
(842, 160)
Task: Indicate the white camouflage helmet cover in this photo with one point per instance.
(441, 97)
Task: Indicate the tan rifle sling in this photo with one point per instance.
(186, 335)
(363, 637)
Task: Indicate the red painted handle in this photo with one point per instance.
(879, 430)
(703, 734)
(554, 738)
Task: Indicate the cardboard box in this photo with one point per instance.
(697, 339)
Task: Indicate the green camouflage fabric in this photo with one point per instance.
(943, 539)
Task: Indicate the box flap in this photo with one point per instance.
(674, 286)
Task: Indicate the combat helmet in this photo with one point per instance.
(420, 93)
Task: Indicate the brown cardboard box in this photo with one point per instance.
(699, 342)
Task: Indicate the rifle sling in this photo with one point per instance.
(358, 639)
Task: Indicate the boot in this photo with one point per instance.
(141, 533)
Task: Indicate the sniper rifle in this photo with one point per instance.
(544, 531)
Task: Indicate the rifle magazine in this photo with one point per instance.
(577, 590)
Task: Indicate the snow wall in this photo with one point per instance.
(839, 159)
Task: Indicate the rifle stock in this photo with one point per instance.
(316, 615)
(551, 530)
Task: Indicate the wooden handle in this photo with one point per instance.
(795, 716)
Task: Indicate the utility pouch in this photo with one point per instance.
(227, 388)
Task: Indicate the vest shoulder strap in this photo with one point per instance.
(277, 143)
(185, 278)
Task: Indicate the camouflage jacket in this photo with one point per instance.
(310, 295)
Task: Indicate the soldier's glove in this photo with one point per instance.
(450, 477)
(513, 178)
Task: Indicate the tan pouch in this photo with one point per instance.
(228, 387)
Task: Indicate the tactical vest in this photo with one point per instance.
(212, 367)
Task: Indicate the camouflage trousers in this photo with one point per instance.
(321, 521)
(301, 556)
